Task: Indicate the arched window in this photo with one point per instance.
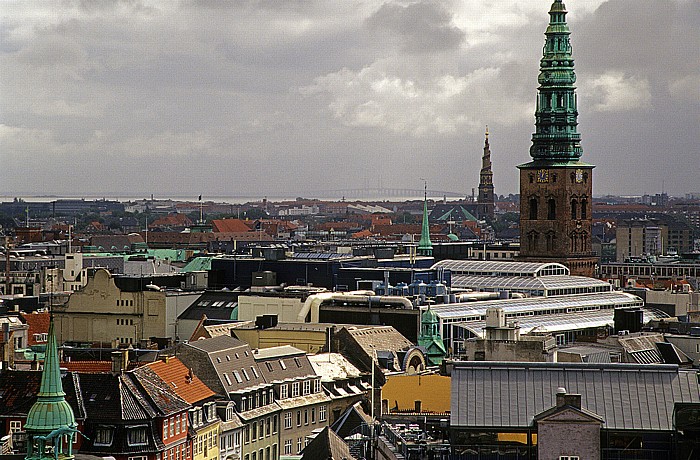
(551, 209)
(584, 209)
(533, 208)
(574, 209)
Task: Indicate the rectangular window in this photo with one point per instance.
(237, 376)
(262, 429)
(247, 434)
(172, 427)
(288, 447)
(104, 436)
(317, 386)
(255, 431)
(299, 445)
(274, 424)
(322, 413)
(299, 418)
(268, 426)
(307, 387)
(284, 389)
(306, 416)
(313, 415)
(287, 420)
(295, 389)
(136, 436)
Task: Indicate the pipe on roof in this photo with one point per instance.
(313, 302)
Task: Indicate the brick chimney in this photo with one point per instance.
(566, 399)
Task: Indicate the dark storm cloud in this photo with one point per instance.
(420, 27)
(284, 97)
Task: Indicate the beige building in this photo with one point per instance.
(102, 312)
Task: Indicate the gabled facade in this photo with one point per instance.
(203, 422)
(298, 393)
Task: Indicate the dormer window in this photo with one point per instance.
(284, 391)
(104, 435)
(282, 365)
(136, 436)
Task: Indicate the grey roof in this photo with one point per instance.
(562, 321)
(282, 351)
(230, 359)
(579, 302)
(626, 396)
(501, 268)
(529, 283)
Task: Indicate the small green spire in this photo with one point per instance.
(425, 246)
(51, 417)
(429, 337)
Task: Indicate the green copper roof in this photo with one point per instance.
(197, 264)
(556, 137)
(429, 337)
(425, 246)
(50, 411)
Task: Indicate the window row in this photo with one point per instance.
(261, 429)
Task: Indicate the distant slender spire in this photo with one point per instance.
(425, 246)
(486, 199)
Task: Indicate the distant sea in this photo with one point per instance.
(217, 199)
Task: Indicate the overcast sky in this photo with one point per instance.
(287, 97)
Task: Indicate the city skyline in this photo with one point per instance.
(257, 98)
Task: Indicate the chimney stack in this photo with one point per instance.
(565, 399)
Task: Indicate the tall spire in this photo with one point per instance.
(425, 246)
(51, 417)
(556, 138)
(486, 199)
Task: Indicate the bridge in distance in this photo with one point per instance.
(381, 193)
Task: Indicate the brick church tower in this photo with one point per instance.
(556, 186)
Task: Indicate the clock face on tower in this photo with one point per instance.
(579, 176)
(543, 176)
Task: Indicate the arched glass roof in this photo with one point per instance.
(549, 285)
(558, 323)
(602, 300)
(498, 268)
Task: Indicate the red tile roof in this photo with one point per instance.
(187, 385)
(231, 225)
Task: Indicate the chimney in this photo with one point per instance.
(418, 406)
(565, 399)
(120, 361)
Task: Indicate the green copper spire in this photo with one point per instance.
(556, 138)
(429, 337)
(425, 246)
(51, 418)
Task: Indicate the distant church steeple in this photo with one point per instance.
(486, 199)
(556, 187)
(50, 423)
(425, 246)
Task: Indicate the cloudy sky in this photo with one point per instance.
(288, 97)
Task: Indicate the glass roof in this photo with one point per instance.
(527, 282)
(559, 322)
(602, 299)
(502, 268)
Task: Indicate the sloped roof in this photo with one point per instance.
(179, 378)
(326, 446)
(626, 396)
(333, 366)
(231, 225)
(18, 392)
